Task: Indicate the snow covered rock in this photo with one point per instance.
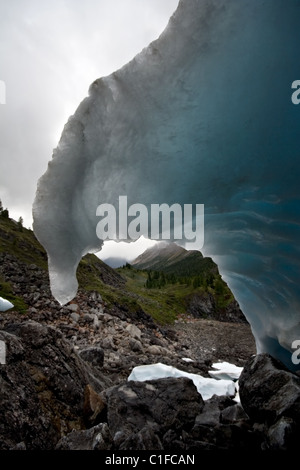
(205, 386)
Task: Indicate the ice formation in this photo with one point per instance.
(206, 387)
(203, 115)
(5, 304)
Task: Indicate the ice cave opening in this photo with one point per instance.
(203, 115)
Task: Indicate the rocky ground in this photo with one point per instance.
(212, 341)
(127, 338)
(127, 343)
(64, 384)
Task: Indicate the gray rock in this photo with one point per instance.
(95, 438)
(282, 434)
(42, 386)
(268, 390)
(88, 318)
(136, 345)
(19, 446)
(32, 310)
(201, 304)
(108, 343)
(36, 296)
(93, 355)
(75, 317)
(233, 414)
(209, 417)
(95, 297)
(154, 349)
(73, 307)
(145, 439)
(134, 331)
(170, 403)
(211, 412)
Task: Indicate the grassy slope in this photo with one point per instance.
(23, 245)
(166, 303)
(124, 286)
(20, 243)
(181, 263)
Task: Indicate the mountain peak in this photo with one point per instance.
(170, 257)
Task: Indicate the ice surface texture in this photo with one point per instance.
(5, 304)
(202, 115)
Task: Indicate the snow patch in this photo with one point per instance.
(226, 371)
(206, 387)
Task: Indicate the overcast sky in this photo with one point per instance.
(50, 52)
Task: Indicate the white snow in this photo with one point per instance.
(206, 387)
(5, 305)
(225, 370)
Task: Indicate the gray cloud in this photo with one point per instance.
(50, 53)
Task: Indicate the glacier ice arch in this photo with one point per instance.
(202, 115)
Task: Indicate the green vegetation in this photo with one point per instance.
(165, 296)
(20, 242)
(89, 273)
(92, 273)
(6, 292)
(162, 293)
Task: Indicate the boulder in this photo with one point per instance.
(42, 387)
(140, 413)
(134, 331)
(282, 435)
(136, 345)
(269, 391)
(233, 414)
(211, 412)
(73, 307)
(93, 355)
(75, 317)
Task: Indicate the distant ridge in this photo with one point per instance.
(115, 262)
(172, 258)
